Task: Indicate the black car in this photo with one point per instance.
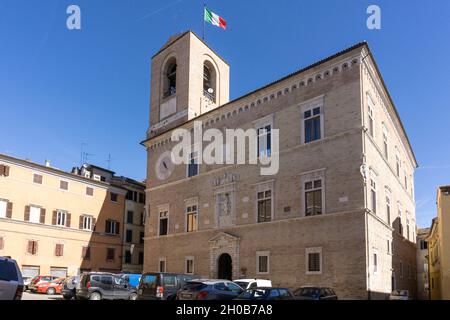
(69, 287)
(209, 290)
(161, 285)
(100, 285)
(266, 293)
(315, 293)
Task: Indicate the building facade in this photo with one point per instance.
(58, 223)
(439, 248)
(423, 292)
(340, 210)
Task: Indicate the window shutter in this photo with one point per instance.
(61, 250)
(57, 250)
(54, 218)
(83, 252)
(1, 243)
(30, 247)
(68, 218)
(88, 252)
(80, 225)
(117, 227)
(35, 247)
(93, 224)
(42, 217)
(6, 171)
(27, 213)
(9, 207)
(2, 170)
(107, 223)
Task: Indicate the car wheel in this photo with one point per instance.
(133, 296)
(51, 291)
(95, 296)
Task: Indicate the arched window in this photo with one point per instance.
(209, 81)
(171, 79)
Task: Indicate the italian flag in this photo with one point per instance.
(214, 19)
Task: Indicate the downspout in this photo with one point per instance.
(366, 224)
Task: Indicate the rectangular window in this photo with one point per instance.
(129, 195)
(127, 256)
(264, 206)
(262, 262)
(313, 197)
(112, 227)
(388, 247)
(375, 263)
(86, 223)
(4, 170)
(86, 253)
(190, 265)
(388, 210)
(129, 236)
(114, 197)
(385, 143)
(162, 265)
(314, 262)
(130, 216)
(110, 254)
(264, 141)
(406, 180)
(3, 208)
(59, 250)
(61, 218)
(370, 106)
(373, 196)
(32, 247)
(312, 124)
(141, 197)
(193, 165)
(163, 223)
(35, 214)
(141, 258)
(64, 185)
(2, 243)
(423, 245)
(191, 218)
(37, 178)
(397, 164)
(89, 191)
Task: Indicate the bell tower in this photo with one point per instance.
(187, 79)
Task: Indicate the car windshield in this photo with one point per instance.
(308, 292)
(8, 271)
(242, 284)
(254, 294)
(194, 286)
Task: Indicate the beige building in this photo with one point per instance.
(422, 264)
(439, 248)
(340, 211)
(58, 223)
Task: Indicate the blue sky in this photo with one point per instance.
(59, 88)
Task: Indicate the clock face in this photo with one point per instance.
(164, 166)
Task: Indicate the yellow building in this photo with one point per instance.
(439, 248)
(58, 223)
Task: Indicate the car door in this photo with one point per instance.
(121, 288)
(8, 280)
(106, 286)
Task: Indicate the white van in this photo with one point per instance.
(253, 283)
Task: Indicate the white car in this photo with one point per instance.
(11, 282)
(399, 295)
(253, 283)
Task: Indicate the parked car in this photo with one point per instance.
(69, 287)
(209, 290)
(266, 293)
(253, 283)
(26, 283)
(161, 286)
(399, 295)
(102, 285)
(315, 293)
(50, 288)
(11, 282)
(38, 280)
(132, 278)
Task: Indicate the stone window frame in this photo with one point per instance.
(263, 187)
(370, 115)
(375, 262)
(310, 105)
(311, 176)
(260, 124)
(388, 196)
(309, 251)
(373, 186)
(64, 181)
(385, 132)
(186, 259)
(162, 209)
(262, 254)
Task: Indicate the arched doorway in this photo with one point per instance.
(225, 267)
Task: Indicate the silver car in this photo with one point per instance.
(11, 282)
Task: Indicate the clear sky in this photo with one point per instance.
(61, 88)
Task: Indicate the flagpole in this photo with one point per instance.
(204, 8)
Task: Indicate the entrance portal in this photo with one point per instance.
(225, 267)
